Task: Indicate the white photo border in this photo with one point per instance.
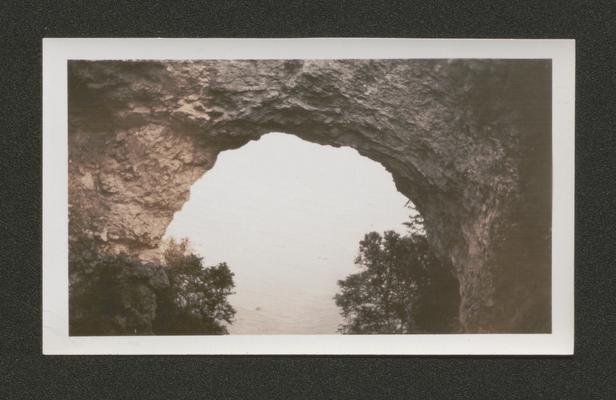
(56, 53)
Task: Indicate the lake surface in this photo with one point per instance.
(287, 216)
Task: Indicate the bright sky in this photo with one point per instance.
(287, 216)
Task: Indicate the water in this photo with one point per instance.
(287, 216)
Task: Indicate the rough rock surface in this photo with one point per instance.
(468, 141)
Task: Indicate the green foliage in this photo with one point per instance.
(111, 295)
(119, 295)
(402, 287)
(415, 224)
(196, 301)
(179, 255)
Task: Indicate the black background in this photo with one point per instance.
(26, 373)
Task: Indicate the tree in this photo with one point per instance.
(121, 295)
(196, 300)
(402, 287)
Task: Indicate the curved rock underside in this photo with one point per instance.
(468, 141)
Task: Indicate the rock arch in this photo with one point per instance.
(469, 141)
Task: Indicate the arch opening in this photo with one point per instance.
(287, 216)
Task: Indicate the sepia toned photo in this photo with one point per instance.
(400, 200)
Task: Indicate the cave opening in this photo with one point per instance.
(287, 216)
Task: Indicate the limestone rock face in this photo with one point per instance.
(468, 141)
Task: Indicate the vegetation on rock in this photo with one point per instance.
(119, 295)
(402, 287)
(196, 300)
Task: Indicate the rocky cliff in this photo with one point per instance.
(468, 141)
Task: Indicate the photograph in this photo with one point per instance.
(339, 198)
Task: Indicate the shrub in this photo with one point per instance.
(119, 295)
(196, 300)
(402, 287)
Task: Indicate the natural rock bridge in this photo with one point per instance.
(468, 141)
